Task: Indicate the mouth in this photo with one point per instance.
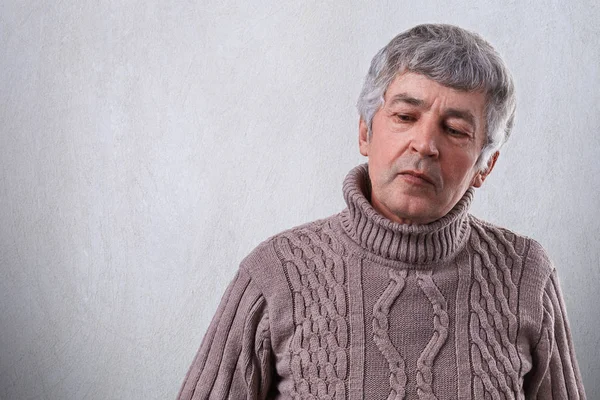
(417, 177)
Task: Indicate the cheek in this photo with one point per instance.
(460, 170)
(384, 149)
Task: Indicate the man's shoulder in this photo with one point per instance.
(508, 241)
(267, 256)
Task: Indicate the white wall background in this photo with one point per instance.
(147, 146)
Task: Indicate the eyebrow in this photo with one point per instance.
(406, 98)
(465, 115)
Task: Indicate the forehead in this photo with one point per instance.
(418, 90)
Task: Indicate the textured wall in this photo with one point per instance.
(146, 147)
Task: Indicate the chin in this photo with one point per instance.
(416, 215)
(410, 208)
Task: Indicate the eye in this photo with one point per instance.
(455, 132)
(404, 118)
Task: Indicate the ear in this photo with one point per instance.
(480, 176)
(363, 137)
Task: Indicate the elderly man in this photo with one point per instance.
(402, 295)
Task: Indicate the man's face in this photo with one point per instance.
(425, 141)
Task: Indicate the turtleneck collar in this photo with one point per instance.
(411, 244)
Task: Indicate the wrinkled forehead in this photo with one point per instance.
(418, 90)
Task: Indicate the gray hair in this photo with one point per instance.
(452, 57)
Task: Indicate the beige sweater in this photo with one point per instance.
(356, 306)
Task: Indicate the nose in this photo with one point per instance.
(424, 139)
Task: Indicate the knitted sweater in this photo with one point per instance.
(356, 306)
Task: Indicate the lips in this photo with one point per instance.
(420, 177)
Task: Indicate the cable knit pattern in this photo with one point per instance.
(440, 334)
(313, 263)
(494, 323)
(357, 307)
(262, 345)
(381, 327)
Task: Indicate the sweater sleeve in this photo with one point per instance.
(234, 360)
(555, 374)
